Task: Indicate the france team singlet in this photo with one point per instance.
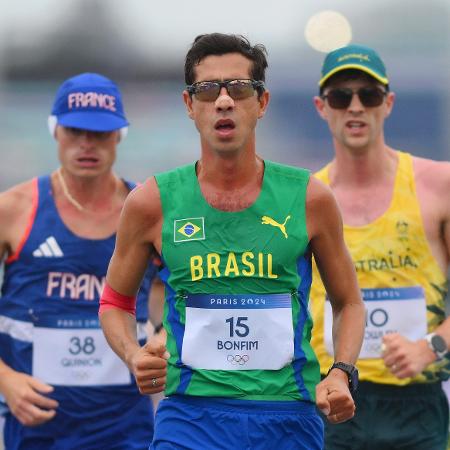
(402, 285)
(237, 289)
(49, 328)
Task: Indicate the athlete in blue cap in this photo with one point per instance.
(62, 385)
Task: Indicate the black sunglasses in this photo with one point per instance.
(208, 91)
(340, 98)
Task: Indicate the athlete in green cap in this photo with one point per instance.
(396, 211)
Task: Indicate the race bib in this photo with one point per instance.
(238, 332)
(75, 353)
(388, 310)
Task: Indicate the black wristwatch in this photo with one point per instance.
(437, 344)
(352, 374)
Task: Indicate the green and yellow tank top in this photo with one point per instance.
(402, 285)
(237, 289)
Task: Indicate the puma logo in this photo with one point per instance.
(266, 220)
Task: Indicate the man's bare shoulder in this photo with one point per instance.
(15, 209)
(19, 191)
(144, 202)
(318, 194)
(321, 208)
(141, 218)
(432, 176)
(17, 200)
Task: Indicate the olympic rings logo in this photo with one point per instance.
(80, 375)
(238, 359)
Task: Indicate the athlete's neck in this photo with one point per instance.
(231, 186)
(229, 174)
(363, 168)
(86, 194)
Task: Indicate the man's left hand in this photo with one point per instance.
(405, 358)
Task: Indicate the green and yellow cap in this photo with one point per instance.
(357, 57)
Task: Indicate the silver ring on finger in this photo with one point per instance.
(154, 382)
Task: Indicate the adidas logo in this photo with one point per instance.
(48, 249)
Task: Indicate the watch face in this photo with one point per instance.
(439, 344)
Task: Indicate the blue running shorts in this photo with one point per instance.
(205, 423)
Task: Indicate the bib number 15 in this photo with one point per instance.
(238, 326)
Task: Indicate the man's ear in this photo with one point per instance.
(263, 99)
(390, 100)
(319, 103)
(187, 99)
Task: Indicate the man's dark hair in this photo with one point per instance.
(348, 75)
(221, 44)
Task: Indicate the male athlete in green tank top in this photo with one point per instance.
(239, 259)
(236, 234)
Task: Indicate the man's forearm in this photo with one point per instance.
(4, 369)
(348, 331)
(119, 328)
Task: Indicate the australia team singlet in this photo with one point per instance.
(402, 285)
(49, 328)
(237, 289)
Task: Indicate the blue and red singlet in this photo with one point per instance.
(49, 328)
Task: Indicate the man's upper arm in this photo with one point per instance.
(138, 238)
(15, 209)
(325, 231)
(156, 301)
(432, 179)
(446, 218)
(4, 213)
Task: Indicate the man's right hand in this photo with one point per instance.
(149, 366)
(333, 397)
(23, 394)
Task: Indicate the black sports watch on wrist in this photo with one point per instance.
(437, 344)
(352, 374)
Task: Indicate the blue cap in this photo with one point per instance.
(357, 57)
(91, 102)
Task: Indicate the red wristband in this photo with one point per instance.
(113, 299)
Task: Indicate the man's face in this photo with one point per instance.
(226, 125)
(356, 127)
(86, 153)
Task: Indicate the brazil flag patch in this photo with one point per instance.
(192, 229)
